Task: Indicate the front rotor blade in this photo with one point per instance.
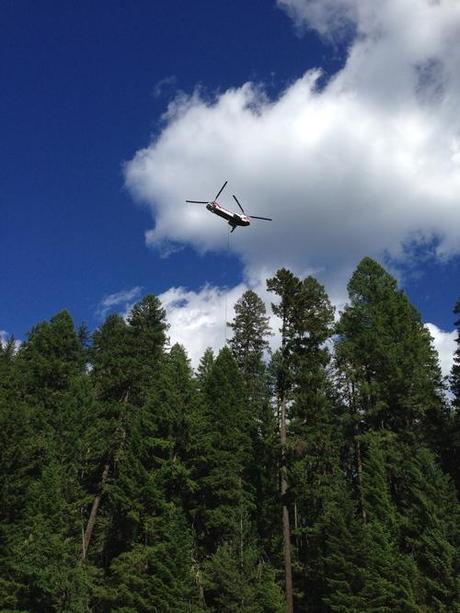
(196, 201)
(264, 218)
(221, 190)
(238, 203)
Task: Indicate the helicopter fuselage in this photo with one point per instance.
(234, 219)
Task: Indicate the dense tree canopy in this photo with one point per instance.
(320, 478)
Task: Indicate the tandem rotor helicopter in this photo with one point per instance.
(234, 219)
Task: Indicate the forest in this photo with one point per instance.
(321, 477)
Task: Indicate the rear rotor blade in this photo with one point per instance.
(196, 201)
(221, 190)
(264, 218)
(238, 203)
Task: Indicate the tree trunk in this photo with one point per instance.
(94, 510)
(286, 524)
(97, 499)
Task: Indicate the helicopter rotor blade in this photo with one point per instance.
(221, 190)
(238, 203)
(196, 202)
(264, 218)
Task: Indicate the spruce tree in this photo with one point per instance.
(314, 451)
(231, 566)
(204, 368)
(43, 534)
(250, 331)
(430, 519)
(249, 344)
(148, 327)
(226, 450)
(383, 345)
(391, 387)
(147, 538)
(126, 360)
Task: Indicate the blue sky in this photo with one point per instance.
(85, 87)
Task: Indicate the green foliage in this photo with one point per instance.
(383, 345)
(180, 471)
(365, 567)
(157, 574)
(250, 330)
(430, 529)
(236, 579)
(51, 356)
(225, 448)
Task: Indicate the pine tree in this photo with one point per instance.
(147, 325)
(239, 580)
(224, 514)
(383, 345)
(393, 395)
(226, 449)
(157, 573)
(147, 540)
(42, 531)
(204, 368)
(249, 344)
(314, 451)
(250, 331)
(285, 285)
(112, 360)
(364, 565)
(429, 527)
(50, 358)
(126, 360)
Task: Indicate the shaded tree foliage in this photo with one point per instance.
(129, 482)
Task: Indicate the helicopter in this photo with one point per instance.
(234, 219)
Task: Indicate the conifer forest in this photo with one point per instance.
(321, 477)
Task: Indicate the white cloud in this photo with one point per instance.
(198, 319)
(367, 165)
(121, 301)
(361, 167)
(445, 345)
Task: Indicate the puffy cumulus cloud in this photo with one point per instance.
(198, 319)
(120, 301)
(445, 345)
(368, 164)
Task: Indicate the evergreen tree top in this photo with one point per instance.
(52, 353)
(382, 345)
(250, 331)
